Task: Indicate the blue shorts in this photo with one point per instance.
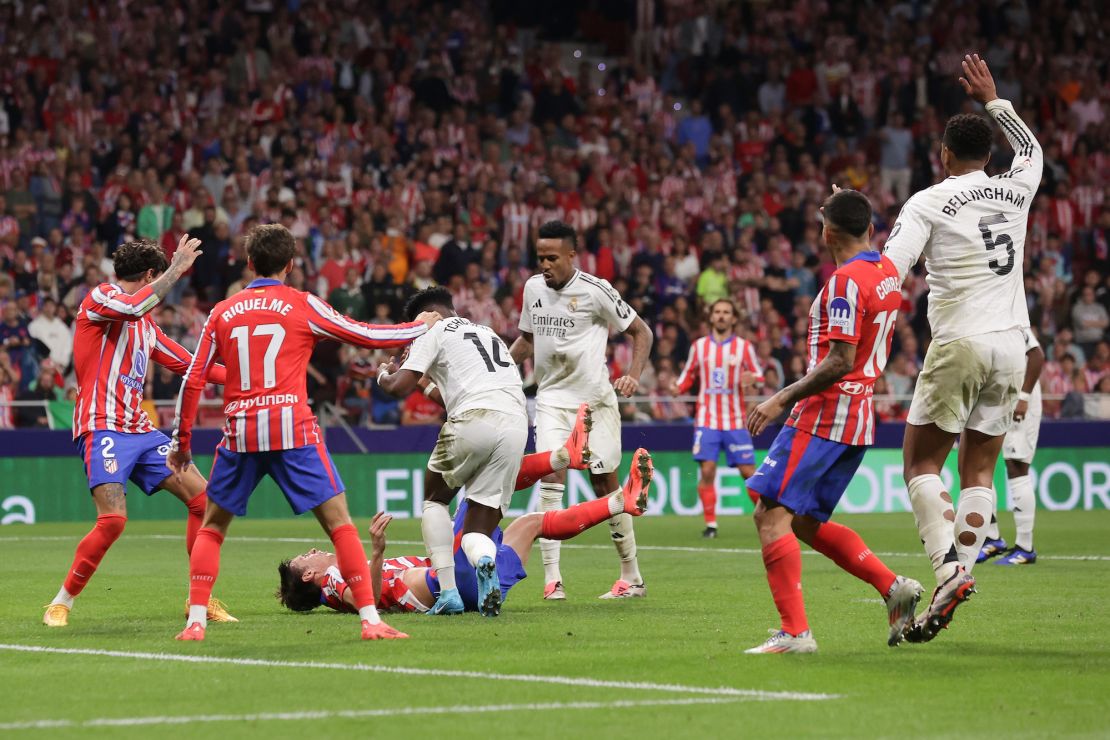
(116, 457)
(306, 475)
(806, 474)
(736, 444)
(510, 571)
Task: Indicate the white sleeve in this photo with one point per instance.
(1028, 158)
(611, 306)
(525, 323)
(424, 351)
(909, 236)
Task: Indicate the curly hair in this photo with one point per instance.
(270, 248)
(435, 295)
(968, 136)
(133, 259)
(295, 593)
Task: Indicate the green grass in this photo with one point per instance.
(1029, 656)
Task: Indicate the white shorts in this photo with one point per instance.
(971, 383)
(553, 427)
(1020, 443)
(481, 450)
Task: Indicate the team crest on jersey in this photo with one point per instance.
(573, 306)
(840, 314)
(111, 466)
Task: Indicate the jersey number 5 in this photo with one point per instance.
(497, 345)
(276, 332)
(1002, 240)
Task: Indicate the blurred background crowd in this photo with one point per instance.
(407, 143)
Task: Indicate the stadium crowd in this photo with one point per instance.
(411, 143)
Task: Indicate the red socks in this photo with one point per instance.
(708, 496)
(204, 565)
(783, 560)
(847, 549)
(562, 525)
(196, 506)
(91, 550)
(352, 564)
(532, 468)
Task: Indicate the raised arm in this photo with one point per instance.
(325, 321)
(175, 358)
(908, 238)
(189, 398)
(112, 304)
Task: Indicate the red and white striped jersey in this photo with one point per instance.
(859, 305)
(515, 225)
(265, 335)
(113, 342)
(395, 595)
(718, 367)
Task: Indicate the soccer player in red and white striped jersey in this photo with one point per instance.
(265, 335)
(722, 364)
(816, 454)
(114, 342)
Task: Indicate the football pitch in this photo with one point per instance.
(1028, 656)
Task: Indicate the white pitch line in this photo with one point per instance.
(721, 691)
(566, 545)
(51, 724)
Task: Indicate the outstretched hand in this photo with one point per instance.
(378, 526)
(188, 249)
(977, 80)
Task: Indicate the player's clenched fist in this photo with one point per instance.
(626, 385)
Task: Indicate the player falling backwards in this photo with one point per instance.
(113, 343)
(971, 229)
(411, 583)
(723, 365)
(265, 335)
(1018, 448)
(565, 326)
(830, 427)
(479, 446)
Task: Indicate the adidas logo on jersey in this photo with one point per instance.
(538, 303)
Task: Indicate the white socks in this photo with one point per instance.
(560, 459)
(620, 530)
(992, 528)
(477, 546)
(369, 614)
(439, 539)
(1024, 503)
(198, 614)
(63, 597)
(551, 499)
(932, 508)
(973, 513)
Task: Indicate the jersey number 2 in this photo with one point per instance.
(1002, 240)
(276, 332)
(497, 345)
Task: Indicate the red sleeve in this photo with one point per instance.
(191, 387)
(751, 362)
(106, 302)
(325, 321)
(686, 377)
(842, 306)
(171, 355)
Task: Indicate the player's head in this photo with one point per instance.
(723, 315)
(847, 216)
(270, 250)
(301, 578)
(966, 144)
(555, 250)
(434, 298)
(139, 261)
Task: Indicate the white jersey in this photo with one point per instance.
(470, 365)
(971, 229)
(570, 330)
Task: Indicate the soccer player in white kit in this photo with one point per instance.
(565, 325)
(1018, 449)
(971, 229)
(479, 446)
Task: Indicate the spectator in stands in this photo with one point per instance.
(348, 298)
(43, 388)
(418, 409)
(49, 329)
(1090, 319)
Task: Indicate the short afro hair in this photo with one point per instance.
(559, 230)
(295, 593)
(132, 260)
(270, 247)
(435, 295)
(848, 211)
(969, 137)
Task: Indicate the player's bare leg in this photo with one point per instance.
(335, 518)
(631, 583)
(111, 517)
(707, 494)
(439, 539)
(782, 557)
(190, 488)
(847, 549)
(204, 568)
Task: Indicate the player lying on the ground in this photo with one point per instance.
(113, 343)
(409, 583)
(1018, 448)
(814, 457)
